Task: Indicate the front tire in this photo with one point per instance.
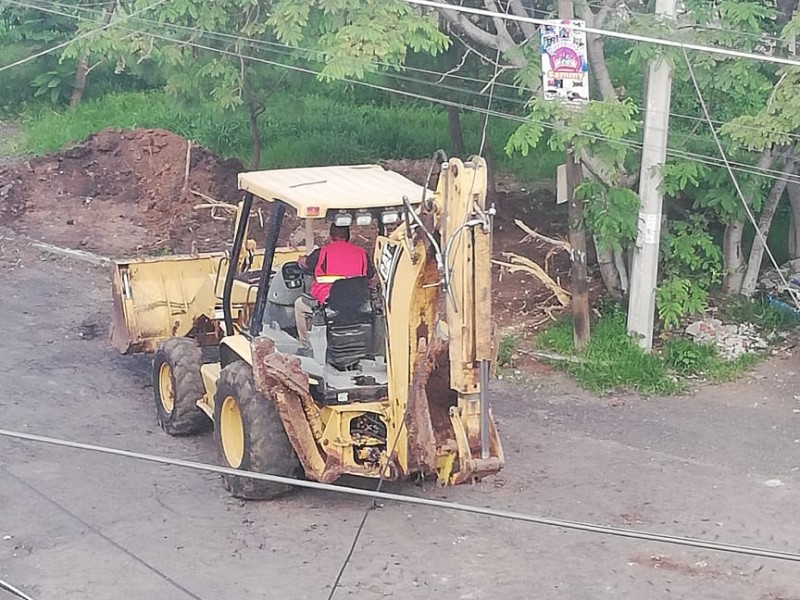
(250, 435)
(177, 386)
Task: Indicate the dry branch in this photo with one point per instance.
(188, 164)
(212, 205)
(526, 265)
(530, 233)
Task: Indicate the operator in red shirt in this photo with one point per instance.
(338, 259)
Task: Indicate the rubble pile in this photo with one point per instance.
(731, 341)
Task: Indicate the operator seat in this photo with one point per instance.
(349, 318)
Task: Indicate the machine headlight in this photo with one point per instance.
(343, 219)
(363, 219)
(390, 217)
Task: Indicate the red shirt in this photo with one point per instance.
(338, 258)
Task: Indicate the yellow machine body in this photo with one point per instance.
(435, 281)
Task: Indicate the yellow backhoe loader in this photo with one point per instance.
(396, 383)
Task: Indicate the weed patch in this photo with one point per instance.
(613, 361)
(505, 352)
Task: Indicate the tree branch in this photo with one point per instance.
(597, 55)
(475, 33)
(457, 67)
(528, 29)
(506, 41)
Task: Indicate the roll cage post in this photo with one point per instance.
(273, 228)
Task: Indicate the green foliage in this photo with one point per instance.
(354, 37)
(692, 264)
(677, 297)
(690, 250)
(691, 359)
(747, 15)
(505, 352)
(600, 129)
(687, 357)
(55, 85)
(681, 175)
(610, 213)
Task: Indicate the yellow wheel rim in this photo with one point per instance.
(231, 431)
(166, 392)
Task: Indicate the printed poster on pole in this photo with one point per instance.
(565, 64)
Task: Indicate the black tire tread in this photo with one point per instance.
(185, 359)
(267, 448)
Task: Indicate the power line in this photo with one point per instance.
(100, 534)
(4, 585)
(675, 153)
(778, 60)
(290, 50)
(80, 37)
(629, 12)
(761, 235)
(391, 497)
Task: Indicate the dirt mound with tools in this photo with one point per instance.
(124, 192)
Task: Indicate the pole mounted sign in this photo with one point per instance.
(565, 64)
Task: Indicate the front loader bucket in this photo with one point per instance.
(157, 298)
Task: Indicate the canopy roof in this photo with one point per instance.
(313, 191)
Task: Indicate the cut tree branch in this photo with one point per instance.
(526, 265)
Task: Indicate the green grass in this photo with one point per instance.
(613, 361)
(688, 358)
(297, 130)
(505, 352)
(768, 317)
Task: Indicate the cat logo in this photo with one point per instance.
(390, 255)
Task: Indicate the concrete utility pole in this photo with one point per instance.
(577, 232)
(644, 274)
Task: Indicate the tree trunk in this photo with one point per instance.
(82, 70)
(609, 272)
(764, 223)
(456, 133)
(255, 135)
(79, 87)
(578, 271)
(732, 258)
(793, 191)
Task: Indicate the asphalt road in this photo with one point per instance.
(78, 525)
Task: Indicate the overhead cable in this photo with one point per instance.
(87, 34)
(633, 37)
(427, 502)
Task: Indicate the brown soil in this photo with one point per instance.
(520, 299)
(121, 193)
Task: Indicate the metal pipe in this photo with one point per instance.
(233, 263)
(484, 400)
(273, 229)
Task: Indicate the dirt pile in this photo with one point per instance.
(122, 192)
(414, 169)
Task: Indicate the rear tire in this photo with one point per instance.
(250, 435)
(177, 386)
